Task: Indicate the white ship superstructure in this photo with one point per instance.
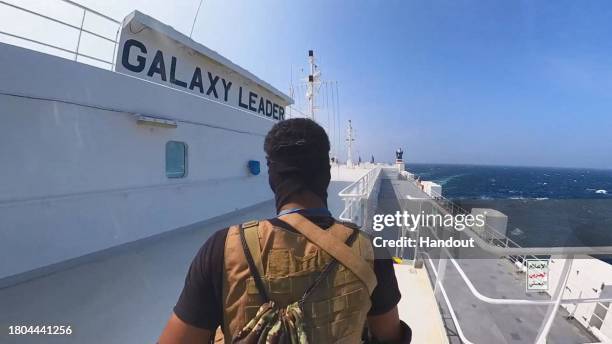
(114, 178)
(101, 158)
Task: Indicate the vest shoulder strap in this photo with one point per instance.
(334, 247)
(251, 235)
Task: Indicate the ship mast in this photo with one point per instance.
(349, 143)
(313, 80)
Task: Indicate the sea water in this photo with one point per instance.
(545, 206)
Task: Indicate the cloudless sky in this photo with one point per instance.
(481, 82)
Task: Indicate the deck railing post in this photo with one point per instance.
(81, 29)
(115, 48)
(399, 250)
(441, 272)
(418, 233)
(557, 296)
(76, 54)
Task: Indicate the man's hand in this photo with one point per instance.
(179, 332)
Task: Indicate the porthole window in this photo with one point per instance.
(176, 159)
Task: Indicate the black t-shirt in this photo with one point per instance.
(201, 305)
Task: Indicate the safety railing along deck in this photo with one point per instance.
(82, 27)
(495, 243)
(486, 233)
(360, 198)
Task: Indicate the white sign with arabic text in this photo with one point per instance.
(537, 275)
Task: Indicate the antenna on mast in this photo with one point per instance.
(349, 143)
(195, 18)
(313, 78)
(291, 91)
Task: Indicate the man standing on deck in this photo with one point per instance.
(303, 254)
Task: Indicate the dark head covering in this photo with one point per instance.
(297, 152)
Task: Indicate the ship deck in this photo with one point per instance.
(493, 277)
(125, 294)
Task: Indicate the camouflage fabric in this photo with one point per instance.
(273, 326)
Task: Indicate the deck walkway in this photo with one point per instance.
(494, 277)
(124, 295)
(418, 306)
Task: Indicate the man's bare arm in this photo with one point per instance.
(179, 332)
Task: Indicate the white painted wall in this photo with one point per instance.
(587, 275)
(82, 177)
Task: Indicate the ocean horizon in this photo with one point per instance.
(546, 206)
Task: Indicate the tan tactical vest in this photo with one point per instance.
(334, 313)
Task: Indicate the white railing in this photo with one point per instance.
(360, 198)
(498, 244)
(486, 232)
(81, 29)
(553, 304)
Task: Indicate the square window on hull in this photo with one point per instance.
(176, 159)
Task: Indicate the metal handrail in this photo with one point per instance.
(92, 11)
(453, 315)
(511, 248)
(356, 197)
(54, 47)
(553, 304)
(504, 249)
(59, 21)
(80, 29)
(363, 183)
(496, 301)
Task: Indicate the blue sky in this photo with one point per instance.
(481, 82)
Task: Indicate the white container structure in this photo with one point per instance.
(494, 220)
(432, 189)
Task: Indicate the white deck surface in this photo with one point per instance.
(418, 306)
(121, 297)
